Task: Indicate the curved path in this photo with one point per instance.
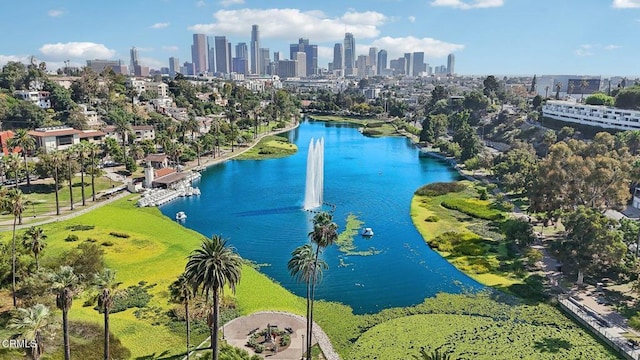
(236, 332)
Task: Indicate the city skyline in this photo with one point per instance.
(485, 36)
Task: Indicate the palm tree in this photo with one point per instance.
(33, 240)
(92, 149)
(181, 291)
(584, 84)
(70, 160)
(14, 202)
(64, 283)
(26, 143)
(56, 162)
(105, 282)
(13, 166)
(302, 267)
(435, 355)
(324, 234)
(209, 269)
(558, 88)
(82, 153)
(546, 91)
(31, 324)
(123, 127)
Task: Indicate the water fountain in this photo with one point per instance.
(315, 175)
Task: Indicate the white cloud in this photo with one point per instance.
(77, 50)
(160, 25)
(227, 3)
(396, 47)
(585, 50)
(152, 62)
(472, 4)
(144, 49)
(169, 48)
(412, 19)
(612, 47)
(201, 3)
(7, 58)
(626, 4)
(277, 24)
(55, 13)
(326, 53)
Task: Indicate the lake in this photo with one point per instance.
(257, 205)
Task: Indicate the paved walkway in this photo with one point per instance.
(236, 333)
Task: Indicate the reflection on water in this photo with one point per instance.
(257, 205)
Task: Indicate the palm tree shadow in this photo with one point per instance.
(162, 355)
(552, 345)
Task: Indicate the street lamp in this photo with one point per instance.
(303, 346)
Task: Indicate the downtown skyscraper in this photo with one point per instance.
(451, 63)
(255, 49)
(134, 60)
(211, 55)
(311, 52)
(338, 63)
(349, 54)
(382, 61)
(199, 53)
(222, 56)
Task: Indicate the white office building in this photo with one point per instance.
(593, 115)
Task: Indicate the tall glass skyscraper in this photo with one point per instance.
(199, 53)
(451, 63)
(382, 61)
(222, 57)
(337, 57)
(349, 54)
(255, 49)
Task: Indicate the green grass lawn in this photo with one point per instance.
(42, 196)
(483, 268)
(353, 120)
(269, 147)
(156, 252)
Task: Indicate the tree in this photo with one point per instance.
(92, 150)
(107, 286)
(181, 291)
(584, 85)
(52, 164)
(302, 266)
(26, 143)
(600, 99)
(14, 202)
(33, 240)
(209, 269)
(433, 127)
(323, 235)
(592, 241)
(533, 85)
(558, 88)
(70, 160)
(628, 98)
(491, 86)
(64, 283)
(537, 101)
(468, 140)
(517, 167)
(31, 325)
(82, 153)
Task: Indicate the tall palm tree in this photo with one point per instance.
(31, 323)
(70, 160)
(13, 166)
(26, 143)
(105, 282)
(33, 240)
(558, 88)
(14, 202)
(181, 291)
(56, 162)
(324, 234)
(209, 269)
(82, 154)
(123, 127)
(302, 267)
(92, 149)
(64, 283)
(584, 84)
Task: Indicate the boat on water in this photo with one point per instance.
(180, 215)
(367, 232)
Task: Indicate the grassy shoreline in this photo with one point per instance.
(269, 147)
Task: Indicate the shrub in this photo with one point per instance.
(259, 349)
(518, 230)
(491, 187)
(80, 227)
(472, 208)
(285, 340)
(440, 188)
(71, 238)
(107, 243)
(432, 218)
(634, 322)
(533, 256)
(133, 296)
(483, 194)
(119, 234)
(91, 240)
(469, 248)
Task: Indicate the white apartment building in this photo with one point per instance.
(40, 98)
(593, 115)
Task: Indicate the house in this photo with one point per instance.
(140, 132)
(5, 150)
(162, 178)
(39, 98)
(157, 161)
(62, 138)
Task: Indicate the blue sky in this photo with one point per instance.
(504, 37)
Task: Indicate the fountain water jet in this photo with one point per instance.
(315, 175)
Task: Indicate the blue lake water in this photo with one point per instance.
(257, 205)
